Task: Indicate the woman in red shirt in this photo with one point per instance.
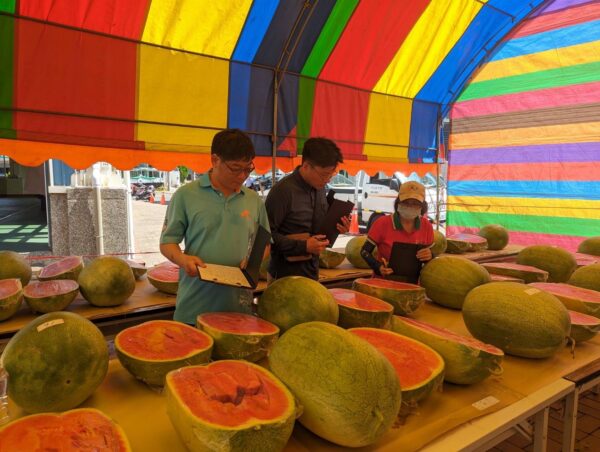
(407, 224)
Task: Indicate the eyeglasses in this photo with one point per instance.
(237, 171)
(324, 175)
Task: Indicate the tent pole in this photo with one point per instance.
(437, 175)
(275, 125)
(97, 187)
(129, 204)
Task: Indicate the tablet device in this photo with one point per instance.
(235, 276)
(404, 262)
(337, 210)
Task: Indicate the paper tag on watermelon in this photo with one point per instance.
(49, 324)
(532, 291)
(484, 404)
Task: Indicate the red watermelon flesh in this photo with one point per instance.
(583, 327)
(167, 272)
(526, 272)
(9, 287)
(470, 238)
(583, 319)
(56, 269)
(230, 393)
(585, 259)
(44, 289)
(234, 322)
(358, 300)
(574, 298)
(496, 278)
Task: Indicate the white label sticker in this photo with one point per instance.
(49, 324)
(532, 291)
(486, 403)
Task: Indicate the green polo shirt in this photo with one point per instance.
(217, 229)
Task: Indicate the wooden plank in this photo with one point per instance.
(585, 374)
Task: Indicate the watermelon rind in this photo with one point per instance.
(268, 435)
(251, 346)
(466, 363)
(411, 395)
(464, 243)
(354, 316)
(439, 243)
(591, 245)
(67, 268)
(153, 371)
(11, 297)
(138, 268)
(13, 265)
(349, 392)
(404, 297)
(558, 262)
(169, 286)
(502, 278)
(330, 259)
(521, 320)
(583, 327)
(60, 294)
(527, 273)
(353, 248)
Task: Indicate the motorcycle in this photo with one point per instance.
(142, 192)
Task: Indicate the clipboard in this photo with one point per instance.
(404, 262)
(337, 210)
(235, 276)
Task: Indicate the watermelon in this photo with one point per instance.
(152, 349)
(138, 268)
(349, 391)
(439, 243)
(13, 265)
(583, 327)
(67, 268)
(11, 297)
(448, 279)
(296, 299)
(500, 278)
(558, 262)
(468, 361)
(84, 429)
(521, 320)
(574, 298)
(527, 273)
(585, 259)
(587, 277)
(230, 405)
(404, 297)
(165, 277)
(590, 245)
(353, 248)
(55, 362)
(330, 259)
(496, 236)
(238, 336)
(106, 281)
(463, 243)
(419, 368)
(50, 296)
(358, 309)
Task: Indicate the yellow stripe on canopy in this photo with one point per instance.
(388, 122)
(550, 59)
(183, 89)
(563, 133)
(203, 26)
(438, 29)
(545, 207)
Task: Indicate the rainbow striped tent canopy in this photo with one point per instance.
(130, 81)
(525, 142)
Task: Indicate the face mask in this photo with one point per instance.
(409, 213)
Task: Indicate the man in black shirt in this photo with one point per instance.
(296, 205)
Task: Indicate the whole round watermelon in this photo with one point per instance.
(558, 262)
(496, 236)
(353, 248)
(55, 362)
(13, 265)
(106, 281)
(587, 277)
(590, 245)
(439, 243)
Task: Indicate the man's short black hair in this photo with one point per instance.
(232, 144)
(322, 152)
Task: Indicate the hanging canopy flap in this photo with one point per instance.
(139, 81)
(525, 142)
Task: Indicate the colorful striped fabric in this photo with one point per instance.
(525, 142)
(130, 81)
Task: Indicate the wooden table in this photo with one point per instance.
(506, 254)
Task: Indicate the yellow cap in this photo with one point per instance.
(412, 190)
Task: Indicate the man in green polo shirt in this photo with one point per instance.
(216, 217)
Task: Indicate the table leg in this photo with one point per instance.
(570, 421)
(540, 430)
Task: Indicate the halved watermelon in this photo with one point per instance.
(165, 277)
(467, 360)
(574, 298)
(583, 327)
(138, 268)
(238, 336)
(330, 259)
(527, 273)
(404, 297)
(50, 296)
(230, 405)
(11, 297)
(463, 243)
(420, 369)
(152, 349)
(585, 259)
(358, 309)
(83, 429)
(67, 268)
(502, 278)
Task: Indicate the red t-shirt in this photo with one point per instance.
(384, 233)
